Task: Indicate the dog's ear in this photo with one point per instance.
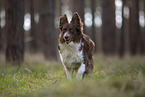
(63, 20)
(76, 20)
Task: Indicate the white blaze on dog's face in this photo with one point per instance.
(69, 33)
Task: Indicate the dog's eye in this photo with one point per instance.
(71, 30)
(64, 30)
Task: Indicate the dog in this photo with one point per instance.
(75, 48)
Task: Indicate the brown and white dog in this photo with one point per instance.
(75, 48)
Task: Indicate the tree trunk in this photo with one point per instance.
(126, 28)
(93, 7)
(47, 30)
(15, 32)
(33, 45)
(134, 27)
(143, 34)
(142, 40)
(108, 27)
(122, 35)
(0, 29)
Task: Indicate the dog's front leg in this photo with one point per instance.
(68, 73)
(81, 71)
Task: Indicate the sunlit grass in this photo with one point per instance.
(112, 77)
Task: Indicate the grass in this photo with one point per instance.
(112, 77)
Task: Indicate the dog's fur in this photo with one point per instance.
(75, 48)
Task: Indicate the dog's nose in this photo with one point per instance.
(66, 37)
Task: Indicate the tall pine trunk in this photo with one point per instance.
(47, 30)
(93, 8)
(108, 27)
(134, 27)
(15, 32)
(33, 45)
(0, 29)
(122, 35)
(142, 36)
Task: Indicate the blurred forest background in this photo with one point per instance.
(31, 26)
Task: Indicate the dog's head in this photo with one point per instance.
(70, 31)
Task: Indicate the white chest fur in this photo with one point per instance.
(70, 54)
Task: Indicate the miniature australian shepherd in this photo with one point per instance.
(75, 48)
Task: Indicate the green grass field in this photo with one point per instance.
(112, 77)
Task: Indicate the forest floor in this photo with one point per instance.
(112, 77)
